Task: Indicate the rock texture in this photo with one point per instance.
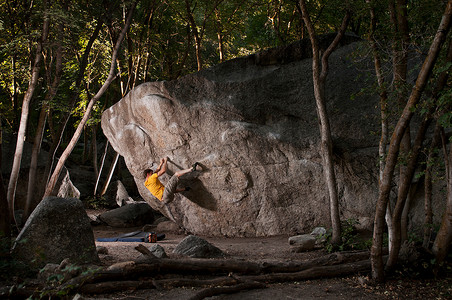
(197, 247)
(252, 124)
(57, 229)
(130, 215)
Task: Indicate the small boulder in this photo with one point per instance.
(102, 250)
(57, 229)
(301, 243)
(197, 247)
(320, 236)
(158, 251)
(318, 232)
(117, 195)
(67, 189)
(130, 215)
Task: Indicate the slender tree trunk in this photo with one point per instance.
(101, 168)
(405, 191)
(94, 149)
(443, 239)
(110, 78)
(196, 35)
(404, 188)
(5, 221)
(56, 140)
(15, 103)
(219, 35)
(187, 50)
(428, 190)
(41, 124)
(110, 174)
(137, 72)
(398, 16)
(383, 113)
(319, 79)
(391, 160)
(406, 210)
(24, 115)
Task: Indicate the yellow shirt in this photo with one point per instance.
(154, 185)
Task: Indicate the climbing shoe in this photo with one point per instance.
(194, 166)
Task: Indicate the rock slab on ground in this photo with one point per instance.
(303, 242)
(129, 215)
(57, 229)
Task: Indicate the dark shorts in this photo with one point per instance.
(170, 189)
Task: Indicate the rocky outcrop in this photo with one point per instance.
(57, 229)
(252, 124)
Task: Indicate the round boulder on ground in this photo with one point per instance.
(56, 230)
(197, 247)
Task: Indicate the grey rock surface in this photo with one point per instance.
(302, 242)
(254, 129)
(57, 229)
(158, 251)
(130, 215)
(197, 247)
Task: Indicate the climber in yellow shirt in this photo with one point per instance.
(165, 193)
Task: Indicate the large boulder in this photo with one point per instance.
(252, 124)
(57, 229)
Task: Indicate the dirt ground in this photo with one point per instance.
(270, 249)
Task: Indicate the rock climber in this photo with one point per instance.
(165, 193)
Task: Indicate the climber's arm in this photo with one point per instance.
(162, 167)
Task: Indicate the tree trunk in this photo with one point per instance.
(5, 221)
(400, 40)
(219, 35)
(443, 239)
(41, 124)
(110, 173)
(111, 76)
(404, 188)
(319, 79)
(391, 160)
(15, 101)
(383, 94)
(56, 140)
(101, 168)
(428, 190)
(24, 115)
(196, 35)
(94, 149)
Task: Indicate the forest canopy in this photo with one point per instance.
(63, 62)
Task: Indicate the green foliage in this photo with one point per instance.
(96, 202)
(10, 266)
(350, 239)
(58, 278)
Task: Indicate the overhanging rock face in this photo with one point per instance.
(252, 124)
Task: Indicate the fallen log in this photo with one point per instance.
(122, 276)
(151, 266)
(311, 273)
(161, 284)
(314, 273)
(210, 292)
